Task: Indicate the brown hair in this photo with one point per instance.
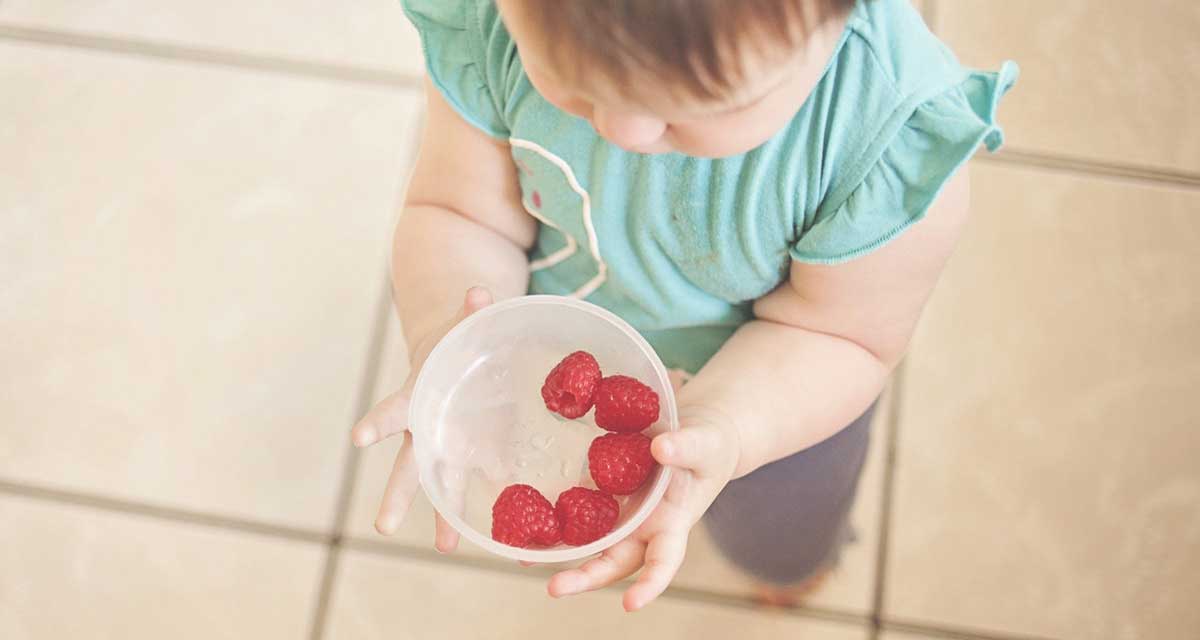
(687, 43)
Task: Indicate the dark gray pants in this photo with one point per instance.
(788, 519)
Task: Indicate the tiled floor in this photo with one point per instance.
(391, 597)
(1123, 98)
(195, 207)
(79, 572)
(1061, 442)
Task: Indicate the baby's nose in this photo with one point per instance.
(627, 130)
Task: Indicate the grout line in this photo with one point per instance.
(381, 77)
(364, 402)
(879, 621)
(885, 507)
(366, 390)
(685, 594)
(169, 514)
(320, 616)
(217, 57)
(181, 516)
(1068, 164)
(1092, 169)
(420, 554)
(950, 633)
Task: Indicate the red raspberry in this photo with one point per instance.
(625, 405)
(585, 515)
(571, 386)
(620, 462)
(522, 516)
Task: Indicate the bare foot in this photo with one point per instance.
(793, 595)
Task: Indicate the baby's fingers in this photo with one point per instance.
(389, 417)
(664, 556)
(616, 563)
(400, 491)
(445, 538)
(451, 483)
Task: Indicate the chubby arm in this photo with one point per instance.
(462, 239)
(823, 344)
(462, 225)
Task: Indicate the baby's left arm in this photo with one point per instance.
(815, 358)
(823, 345)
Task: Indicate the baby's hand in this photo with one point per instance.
(390, 417)
(704, 454)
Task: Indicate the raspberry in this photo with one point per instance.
(625, 405)
(620, 462)
(522, 516)
(571, 386)
(585, 515)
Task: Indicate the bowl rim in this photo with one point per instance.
(669, 418)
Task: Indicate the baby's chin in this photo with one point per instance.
(713, 151)
(655, 148)
(722, 145)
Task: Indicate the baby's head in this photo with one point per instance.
(702, 77)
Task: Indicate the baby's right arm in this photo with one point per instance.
(463, 226)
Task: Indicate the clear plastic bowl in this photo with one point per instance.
(479, 424)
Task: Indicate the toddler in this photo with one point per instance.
(766, 189)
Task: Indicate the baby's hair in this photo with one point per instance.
(686, 43)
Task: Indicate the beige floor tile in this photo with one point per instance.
(380, 597)
(368, 33)
(75, 572)
(705, 569)
(192, 259)
(1112, 81)
(1047, 479)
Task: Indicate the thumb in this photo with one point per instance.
(698, 448)
(475, 299)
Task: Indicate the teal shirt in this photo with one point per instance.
(680, 247)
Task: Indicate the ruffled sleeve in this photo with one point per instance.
(456, 40)
(894, 183)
